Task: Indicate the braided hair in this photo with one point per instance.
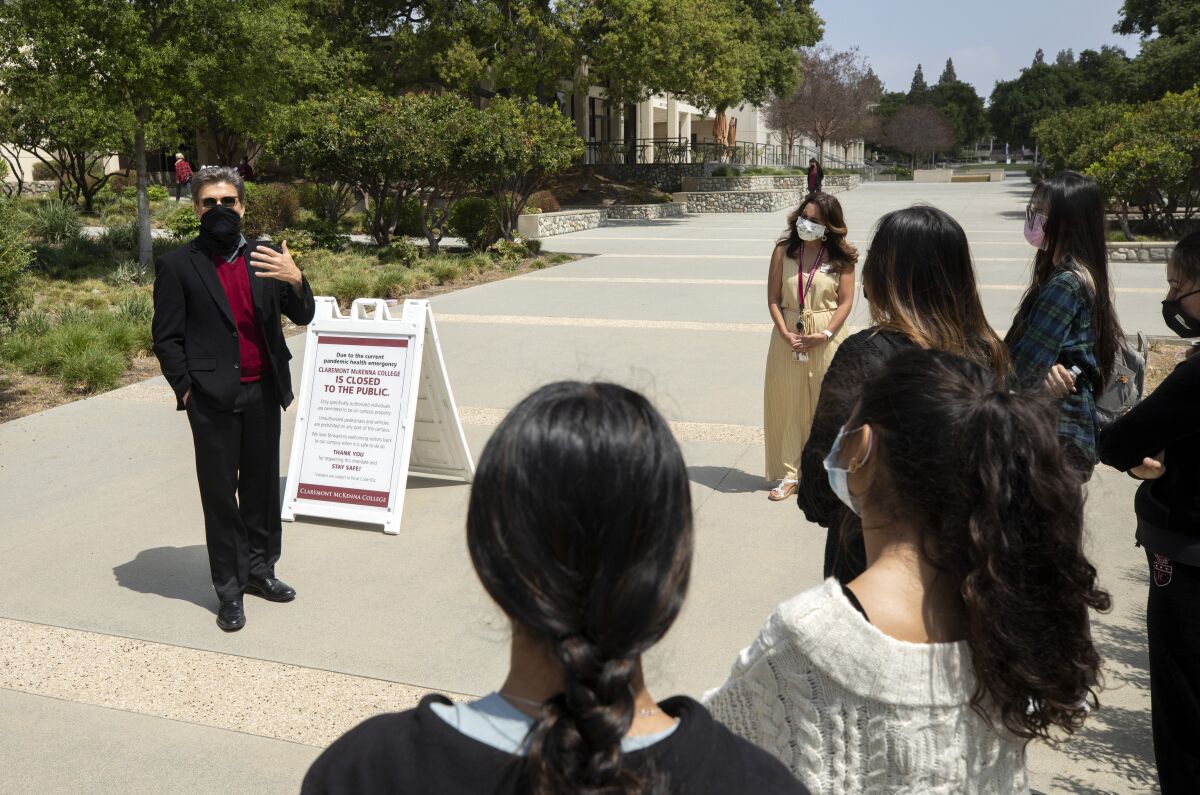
(580, 529)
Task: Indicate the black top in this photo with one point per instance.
(195, 337)
(418, 752)
(859, 358)
(1168, 508)
(857, 605)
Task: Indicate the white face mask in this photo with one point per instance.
(807, 230)
(839, 478)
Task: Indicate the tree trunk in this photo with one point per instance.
(145, 238)
(1123, 216)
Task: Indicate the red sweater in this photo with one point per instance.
(235, 278)
(183, 172)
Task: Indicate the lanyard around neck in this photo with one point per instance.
(803, 293)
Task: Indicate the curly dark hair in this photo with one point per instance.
(580, 528)
(981, 470)
(842, 255)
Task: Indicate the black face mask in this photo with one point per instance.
(220, 230)
(1179, 321)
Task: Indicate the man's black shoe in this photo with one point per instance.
(231, 617)
(271, 588)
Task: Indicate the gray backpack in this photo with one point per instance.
(1126, 381)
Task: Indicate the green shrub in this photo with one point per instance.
(510, 252)
(400, 250)
(478, 263)
(725, 170)
(445, 271)
(330, 202)
(16, 255)
(41, 171)
(119, 237)
(409, 223)
(183, 223)
(474, 220)
(157, 193)
(135, 309)
(130, 273)
(86, 349)
(348, 285)
(543, 201)
(56, 222)
(300, 241)
(269, 209)
(75, 254)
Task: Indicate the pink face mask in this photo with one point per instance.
(1035, 230)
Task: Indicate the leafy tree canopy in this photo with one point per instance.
(1170, 55)
(948, 74)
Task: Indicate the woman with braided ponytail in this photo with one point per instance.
(967, 634)
(580, 529)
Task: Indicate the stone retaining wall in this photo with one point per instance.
(740, 201)
(34, 187)
(644, 212)
(757, 183)
(538, 225)
(836, 183)
(664, 176)
(1140, 252)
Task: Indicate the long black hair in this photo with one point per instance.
(919, 281)
(580, 528)
(1075, 223)
(981, 472)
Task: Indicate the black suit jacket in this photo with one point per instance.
(195, 338)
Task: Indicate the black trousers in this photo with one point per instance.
(237, 467)
(1173, 628)
(182, 188)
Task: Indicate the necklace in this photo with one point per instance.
(644, 712)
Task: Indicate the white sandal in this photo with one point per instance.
(785, 489)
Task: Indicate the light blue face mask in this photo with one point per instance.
(839, 478)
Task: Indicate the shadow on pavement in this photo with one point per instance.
(726, 480)
(173, 572)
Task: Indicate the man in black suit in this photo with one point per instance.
(217, 335)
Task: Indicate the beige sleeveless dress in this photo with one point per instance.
(792, 388)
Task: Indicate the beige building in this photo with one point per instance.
(665, 129)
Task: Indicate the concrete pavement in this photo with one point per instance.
(104, 570)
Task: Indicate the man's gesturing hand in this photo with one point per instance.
(277, 265)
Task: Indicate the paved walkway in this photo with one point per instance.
(114, 678)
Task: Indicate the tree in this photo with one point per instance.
(714, 53)
(919, 88)
(948, 75)
(1170, 56)
(520, 143)
(1146, 156)
(67, 130)
(917, 130)
(1039, 58)
(384, 146)
(146, 60)
(1065, 57)
(962, 107)
(833, 103)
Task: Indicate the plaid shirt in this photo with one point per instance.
(183, 172)
(1057, 329)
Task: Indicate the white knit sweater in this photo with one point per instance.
(849, 709)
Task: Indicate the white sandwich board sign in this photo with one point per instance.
(374, 405)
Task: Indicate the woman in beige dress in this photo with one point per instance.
(810, 291)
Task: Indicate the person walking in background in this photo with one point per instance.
(217, 336)
(810, 292)
(920, 285)
(1066, 318)
(1158, 442)
(244, 170)
(183, 176)
(590, 584)
(967, 634)
(816, 176)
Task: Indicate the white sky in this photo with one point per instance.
(988, 41)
